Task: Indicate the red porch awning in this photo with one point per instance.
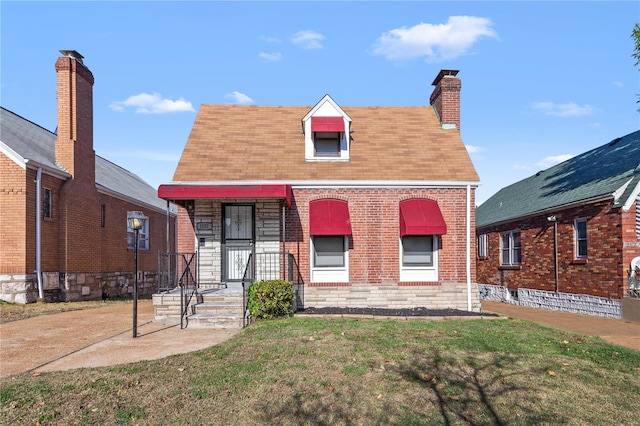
(420, 216)
(329, 217)
(176, 192)
(327, 124)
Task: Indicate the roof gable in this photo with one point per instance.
(242, 143)
(600, 172)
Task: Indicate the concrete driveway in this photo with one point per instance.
(95, 338)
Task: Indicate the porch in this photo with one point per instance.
(186, 299)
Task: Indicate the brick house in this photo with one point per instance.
(565, 237)
(373, 205)
(63, 209)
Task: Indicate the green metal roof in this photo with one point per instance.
(595, 173)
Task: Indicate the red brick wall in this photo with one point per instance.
(50, 227)
(374, 247)
(13, 223)
(601, 274)
(446, 100)
(186, 232)
(113, 237)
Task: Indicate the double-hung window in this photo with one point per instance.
(329, 251)
(417, 250)
(143, 237)
(329, 228)
(580, 226)
(511, 247)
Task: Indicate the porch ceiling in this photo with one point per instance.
(177, 192)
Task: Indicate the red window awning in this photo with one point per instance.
(329, 217)
(327, 124)
(420, 216)
(175, 192)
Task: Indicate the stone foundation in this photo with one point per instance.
(443, 296)
(565, 302)
(73, 287)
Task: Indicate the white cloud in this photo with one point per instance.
(275, 56)
(239, 98)
(308, 39)
(270, 39)
(436, 42)
(619, 84)
(472, 149)
(570, 109)
(552, 160)
(146, 103)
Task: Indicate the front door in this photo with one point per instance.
(238, 226)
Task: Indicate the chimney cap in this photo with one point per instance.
(444, 73)
(72, 54)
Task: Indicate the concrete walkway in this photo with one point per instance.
(103, 336)
(95, 338)
(612, 330)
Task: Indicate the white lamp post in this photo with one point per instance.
(135, 221)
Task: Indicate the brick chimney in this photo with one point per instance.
(74, 145)
(446, 98)
(79, 232)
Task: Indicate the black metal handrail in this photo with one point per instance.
(188, 280)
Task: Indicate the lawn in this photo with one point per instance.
(321, 371)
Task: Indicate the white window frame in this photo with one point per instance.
(143, 236)
(419, 273)
(483, 246)
(578, 239)
(329, 274)
(47, 203)
(511, 249)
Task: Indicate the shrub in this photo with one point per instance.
(270, 298)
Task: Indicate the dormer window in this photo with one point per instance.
(327, 144)
(326, 130)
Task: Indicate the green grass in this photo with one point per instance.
(320, 371)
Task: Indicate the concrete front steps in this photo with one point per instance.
(211, 308)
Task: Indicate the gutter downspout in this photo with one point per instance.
(468, 254)
(285, 258)
(555, 253)
(39, 232)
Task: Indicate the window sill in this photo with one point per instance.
(483, 257)
(580, 261)
(510, 267)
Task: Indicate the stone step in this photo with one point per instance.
(214, 321)
(218, 308)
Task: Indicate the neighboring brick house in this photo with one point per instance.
(588, 205)
(63, 209)
(375, 205)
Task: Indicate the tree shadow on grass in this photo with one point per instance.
(429, 388)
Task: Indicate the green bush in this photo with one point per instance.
(270, 298)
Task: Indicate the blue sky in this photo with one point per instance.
(541, 81)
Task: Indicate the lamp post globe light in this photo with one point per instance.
(136, 221)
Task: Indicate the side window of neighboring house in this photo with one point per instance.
(580, 226)
(47, 203)
(143, 237)
(511, 247)
(483, 247)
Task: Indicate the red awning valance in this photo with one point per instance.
(327, 124)
(420, 216)
(329, 217)
(194, 191)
